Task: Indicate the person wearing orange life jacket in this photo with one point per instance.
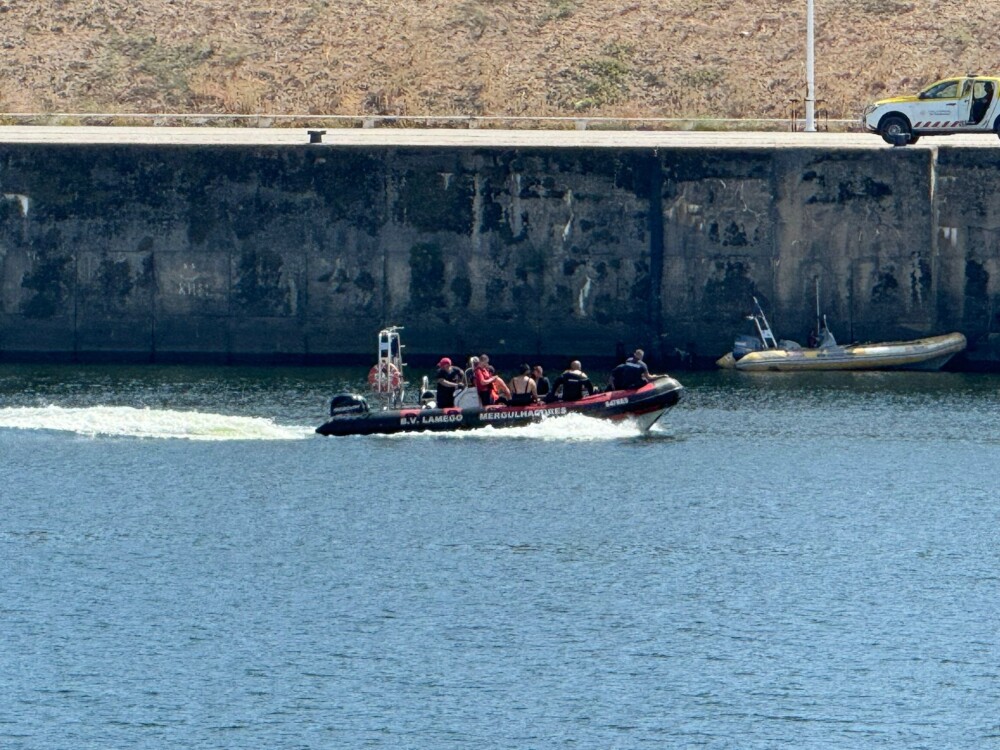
(484, 380)
(488, 383)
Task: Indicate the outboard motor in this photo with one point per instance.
(348, 405)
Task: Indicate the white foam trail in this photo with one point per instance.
(575, 427)
(125, 421)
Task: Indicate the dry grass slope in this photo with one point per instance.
(620, 58)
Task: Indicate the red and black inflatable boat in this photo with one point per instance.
(350, 414)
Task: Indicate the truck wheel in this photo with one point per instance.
(895, 130)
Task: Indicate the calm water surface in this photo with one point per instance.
(807, 561)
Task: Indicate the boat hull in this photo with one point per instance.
(645, 405)
(920, 354)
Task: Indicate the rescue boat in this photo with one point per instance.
(351, 414)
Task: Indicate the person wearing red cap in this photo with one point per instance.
(448, 378)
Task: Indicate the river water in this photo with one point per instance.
(801, 561)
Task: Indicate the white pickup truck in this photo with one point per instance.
(967, 104)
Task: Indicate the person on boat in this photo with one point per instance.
(484, 378)
(448, 378)
(542, 385)
(636, 359)
(524, 391)
(470, 370)
(571, 384)
(501, 393)
(632, 373)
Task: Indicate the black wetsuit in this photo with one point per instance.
(446, 395)
(573, 384)
(542, 386)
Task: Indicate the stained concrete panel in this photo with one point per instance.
(967, 243)
(283, 251)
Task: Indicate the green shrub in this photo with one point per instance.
(559, 9)
(604, 79)
(701, 78)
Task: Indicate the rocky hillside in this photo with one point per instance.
(621, 58)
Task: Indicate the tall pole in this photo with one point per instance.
(810, 72)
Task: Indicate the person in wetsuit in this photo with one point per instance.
(448, 379)
(542, 385)
(573, 383)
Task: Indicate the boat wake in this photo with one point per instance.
(166, 424)
(569, 427)
(126, 421)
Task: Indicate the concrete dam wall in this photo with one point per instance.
(301, 253)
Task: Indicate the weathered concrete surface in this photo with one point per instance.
(771, 223)
(966, 238)
(300, 253)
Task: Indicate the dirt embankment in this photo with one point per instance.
(617, 58)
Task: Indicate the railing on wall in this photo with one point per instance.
(793, 121)
(797, 122)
